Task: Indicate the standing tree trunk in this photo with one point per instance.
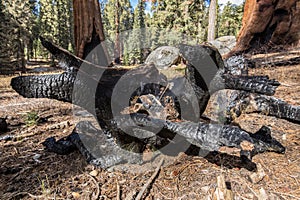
(117, 40)
(20, 52)
(268, 25)
(212, 18)
(88, 31)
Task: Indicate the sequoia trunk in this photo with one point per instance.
(88, 31)
(268, 25)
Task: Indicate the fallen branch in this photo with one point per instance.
(19, 138)
(118, 191)
(43, 196)
(286, 194)
(147, 185)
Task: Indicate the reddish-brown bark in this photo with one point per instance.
(88, 28)
(269, 24)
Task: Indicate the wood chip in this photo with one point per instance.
(262, 194)
(76, 195)
(259, 175)
(94, 172)
(222, 193)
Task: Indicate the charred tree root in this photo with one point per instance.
(256, 84)
(244, 102)
(211, 137)
(97, 147)
(56, 86)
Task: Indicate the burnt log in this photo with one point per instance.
(107, 92)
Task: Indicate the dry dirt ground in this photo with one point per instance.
(29, 172)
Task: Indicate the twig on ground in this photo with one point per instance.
(151, 179)
(20, 138)
(97, 186)
(286, 194)
(118, 191)
(31, 195)
(252, 191)
(162, 94)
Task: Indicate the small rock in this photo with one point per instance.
(36, 157)
(224, 44)
(205, 189)
(164, 57)
(284, 137)
(94, 172)
(262, 194)
(75, 195)
(259, 175)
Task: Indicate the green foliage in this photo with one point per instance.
(22, 22)
(170, 21)
(31, 118)
(230, 19)
(16, 29)
(138, 36)
(55, 22)
(117, 18)
(189, 18)
(125, 16)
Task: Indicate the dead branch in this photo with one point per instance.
(147, 185)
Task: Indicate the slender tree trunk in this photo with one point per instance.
(71, 26)
(88, 31)
(117, 41)
(20, 52)
(212, 19)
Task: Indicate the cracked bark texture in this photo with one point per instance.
(230, 104)
(278, 29)
(91, 87)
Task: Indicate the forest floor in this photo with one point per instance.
(27, 171)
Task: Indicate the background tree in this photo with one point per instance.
(54, 22)
(134, 45)
(15, 25)
(88, 30)
(196, 20)
(212, 20)
(65, 24)
(230, 19)
(268, 25)
(188, 18)
(117, 18)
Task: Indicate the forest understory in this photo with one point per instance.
(27, 171)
